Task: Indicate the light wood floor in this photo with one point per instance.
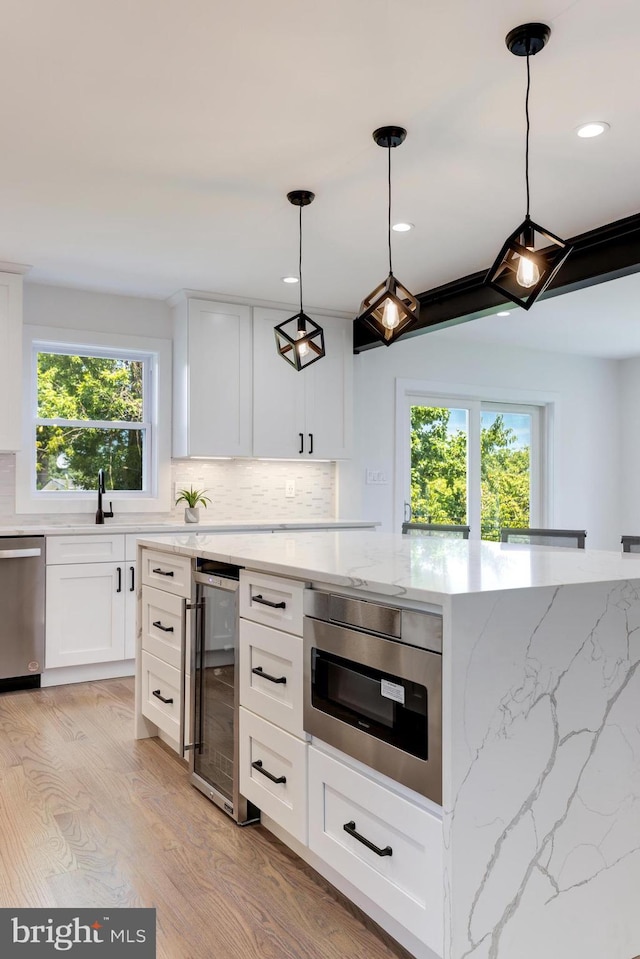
(90, 817)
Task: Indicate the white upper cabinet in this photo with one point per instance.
(305, 414)
(212, 379)
(10, 362)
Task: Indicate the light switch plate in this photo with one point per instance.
(376, 477)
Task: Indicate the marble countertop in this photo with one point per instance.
(424, 569)
(170, 526)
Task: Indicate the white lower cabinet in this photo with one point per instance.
(273, 772)
(85, 614)
(130, 610)
(388, 847)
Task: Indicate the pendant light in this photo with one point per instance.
(390, 310)
(521, 272)
(299, 340)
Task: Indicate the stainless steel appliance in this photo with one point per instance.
(22, 578)
(373, 686)
(214, 689)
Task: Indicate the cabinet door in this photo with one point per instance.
(213, 380)
(329, 395)
(304, 414)
(85, 614)
(278, 393)
(10, 361)
(130, 609)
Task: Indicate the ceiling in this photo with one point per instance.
(149, 146)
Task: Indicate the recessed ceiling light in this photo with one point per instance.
(289, 279)
(402, 227)
(504, 313)
(593, 129)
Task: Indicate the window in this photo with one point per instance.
(472, 463)
(90, 415)
(92, 401)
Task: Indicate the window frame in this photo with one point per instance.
(156, 357)
(475, 400)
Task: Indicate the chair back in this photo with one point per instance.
(437, 529)
(544, 537)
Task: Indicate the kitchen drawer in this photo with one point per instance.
(281, 755)
(271, 601)
(92, 548)
(167, 571)
(162, 619)
(279, 656)
(165, 680)
(408, 882)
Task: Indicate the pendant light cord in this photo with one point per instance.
(526, 152)
(300, 256)
(389, 210)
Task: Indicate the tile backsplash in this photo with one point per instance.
(252, 490)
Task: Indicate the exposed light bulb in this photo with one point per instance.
(390, 316)
(528, 273)
(302, 348)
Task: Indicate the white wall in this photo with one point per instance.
(629, 380)
(586, 487)
(101, 312)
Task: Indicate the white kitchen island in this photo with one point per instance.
(541, 727)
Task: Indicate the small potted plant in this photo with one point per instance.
(192, 497)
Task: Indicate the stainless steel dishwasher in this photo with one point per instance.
(22, 579)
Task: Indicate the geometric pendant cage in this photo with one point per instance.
(299, 340)
(531, 256)
(389, 310)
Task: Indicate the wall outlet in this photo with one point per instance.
(376, 478)
(290, 488)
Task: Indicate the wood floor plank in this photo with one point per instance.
(91, 817)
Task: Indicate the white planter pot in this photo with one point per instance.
(192, 514)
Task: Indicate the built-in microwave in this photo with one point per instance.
(373, 686)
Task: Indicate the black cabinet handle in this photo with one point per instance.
(163, 572)
(257, 765)
(272, 679)
(119, 587)
(301, 435)
(350, 827)
(158, 695)
(310, 442)
(165, 629)
(267, 602)
(132, 570)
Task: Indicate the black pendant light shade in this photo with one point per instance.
(299, 340)
(532, 255)
(389, 310)
(521, 272)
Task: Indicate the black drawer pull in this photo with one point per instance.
(158, 695)
(301, 435)
(350, 827)
(265, 772)
(272, 679)
(132, 570)
(119, 570)
(267, 602)
(163, 572)
(165, 629)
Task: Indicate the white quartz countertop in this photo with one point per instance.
(409, 567)
(169, 526)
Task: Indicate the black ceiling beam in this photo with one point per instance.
(599, 255)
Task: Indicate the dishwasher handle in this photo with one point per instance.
(19, 553)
